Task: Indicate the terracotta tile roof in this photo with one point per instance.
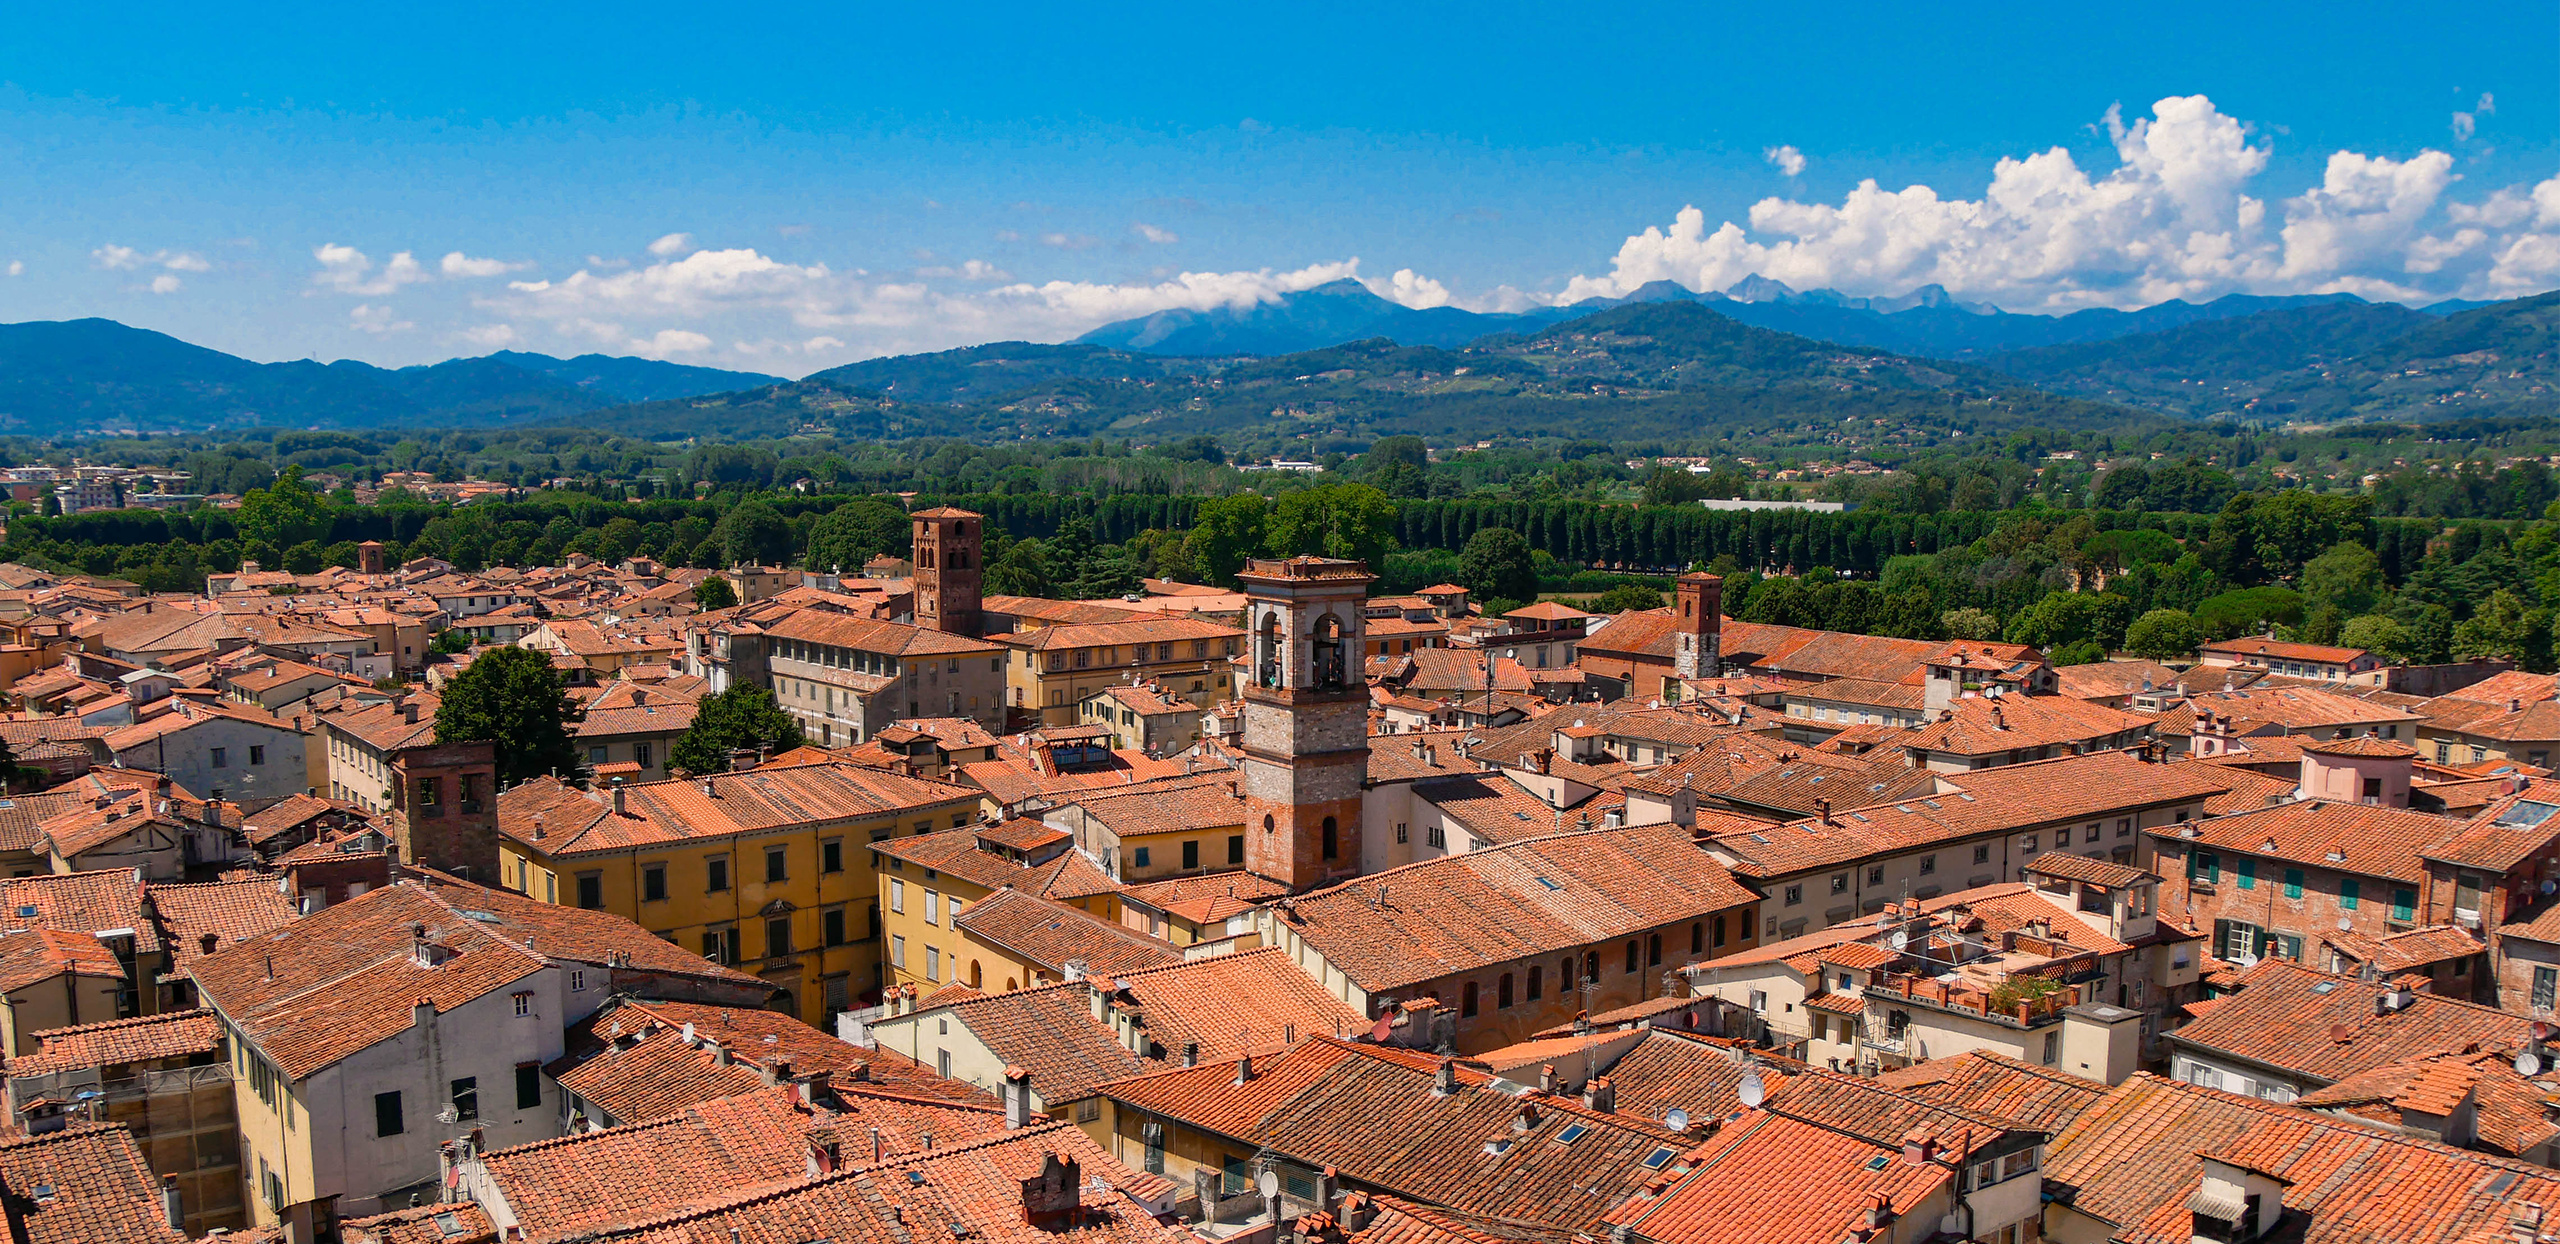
(1460, 913)
(1070, 875)
(95, 1189)
(1122, 631)
(843, 630)
(1023, 834)
(1498, 810)
(1440, 672)
(2321, 1028)
(2511, 1116)
(1990, 727)
(2295, 709)
(2350, 837)
(148, 1038)
(971, 1191)
(764, 799)
(1012, 782)
(2107, 679)
(2413, 948)
(2250, 790)
(630, 1060)
(2508, 832)
(2283, 650)
(2019, 1094)
(229, 911)
(1206, 801)
(107, 900)
(2087, 869)
(1771, 1179)
(2133, 1160)
(459, 1222)
(33, 955)
(2361, 745)
(1204, 897)
(1670, 1069)
(385, 726)
(952, 733)
(1986, 801)
(87, 827)
(1802, 786)
(713, 1152)
(1371, 1113)
(290, 813)
(1393, 1220)
(1050, 934)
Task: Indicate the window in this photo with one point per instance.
(1332, 839)
(1653, 951)
(2029, 846)
(932, 907)
(386, 1114)
(595, 754)
(933, 963)
(1928, 865)
(897, 896)
(1435, 837)
(777, 936)
(524, 1005)
(777, 864)
(833, 921)
(2204, 866)
(1235, 849)
(1982, 853)
(528, 1086)
(2052, 1047)
(591, 891)
(1467, 1001)
(2546, 988)
(1502, 993)
(1632, 958)
(2404, 904)
(1875, 875)
(1697, 937)
(257, 754)
(2293, 883)
(2245, 869)
(1141, 858)
(221, 758)
(1720, 932)
(640, 754)
(466, 1098)
(1537, 981)
(577, 980)
(897, 951)
(831, 856)
(1839, 883)
(2124, 827)
(1400, 833)
(718, 868)
(1795, 895)
(711, 946)
(2092, 835)
(2350, 892)
(653, 884)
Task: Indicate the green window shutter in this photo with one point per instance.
(2404, 904)
(2247, 868)
(2204, 866)
(2293, 883)
(2348, 890)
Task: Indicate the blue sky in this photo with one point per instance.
(787, 188)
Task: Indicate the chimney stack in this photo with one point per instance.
(1444, 1082)
(1017, 1098)
(1600, 1095)
(775, 1069)
(1244, 1068)
(171, 1211)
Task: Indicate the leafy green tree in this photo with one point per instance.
(2162, 634)
(1969, 623)
(2248, 609)
(2504, 626)
(714, 592)
(2347, 577)
(2066, 618)
(853, 533)
(1627, 596)
(1021, 568)
(2379, 633)
(1225, 532)
(1496, 566)
(1671, 485)
(284, 514)
(742, 717)
(450, 641)
(1783, 602)
(2082, 652)
(514, 698)
(752, 532)
(1334, 520)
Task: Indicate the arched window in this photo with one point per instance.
(976, 980)
(1267, 822)
(1267, 647)
(1591, 967)
(1329, 661)
(1697, 936)
(1632, 961)
(1467, 1002)
(1537, 981)
(1332, 839)
(1502, 992)
(1653, 951)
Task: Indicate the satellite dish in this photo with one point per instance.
(2346, 924)
(1677, 1120)
(1900, 939)
(1269, 1182)
(1752, 1091)
(2528, 1064)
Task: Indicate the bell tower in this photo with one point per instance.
(1698, 635)
(1306, 718)
(947, 571)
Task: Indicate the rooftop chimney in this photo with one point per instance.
(1444, 1082)
(619, 808)
(775, 1069)
(170, 1209)
(1244, 1068)
(1600, 1095)
(1017, 1098)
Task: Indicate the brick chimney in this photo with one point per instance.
(1600, 1095)
(1052, 1199)
(1017, 1098)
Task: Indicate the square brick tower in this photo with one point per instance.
(947, 571)
(1698, 639)
(444, 808)
(1306, 718)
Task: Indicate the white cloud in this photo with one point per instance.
(822, 345)
(671, 341)
(1069, 241)
(17, 267)
(1161, 237)
(1411, 289)
(489, 336)
(376, 320)
(2176, 218)
(116, 258)
(165, 284)
(2464, 126)
(457, 264)
(1787, 159)
(348, 271)
(973, 270)
(671, 244)
(1007, 235)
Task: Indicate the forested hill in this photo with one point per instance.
(2323, 363)
(1674, 370)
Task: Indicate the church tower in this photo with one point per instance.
(1306, 718)
(1698, 635)
(947, 570)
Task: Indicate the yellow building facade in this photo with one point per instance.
(1052, 669)
(926, 884)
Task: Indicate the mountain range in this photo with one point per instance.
(71, 376)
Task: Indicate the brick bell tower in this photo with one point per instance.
(947, 570)
(1698, 644)
(1306, 718)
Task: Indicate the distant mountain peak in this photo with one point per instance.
(1758, 288)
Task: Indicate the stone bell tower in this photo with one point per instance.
(1698, 633)
(947, 571)
(1306, 718)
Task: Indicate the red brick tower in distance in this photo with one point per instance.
(947, 571)
(1698, 639)
(1306, 719)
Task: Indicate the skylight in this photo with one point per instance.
(1572, 1133)
(1656, 1159)
(1879, 1162)
(1549, 884)
(2527, 812)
